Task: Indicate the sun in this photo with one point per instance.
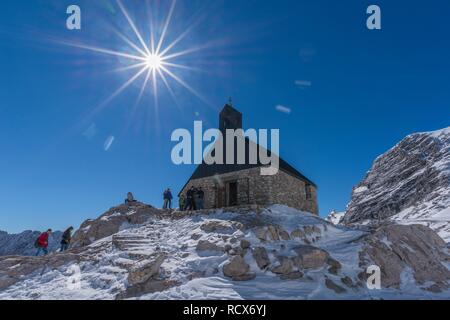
(153, 61)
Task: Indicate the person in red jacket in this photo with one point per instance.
(42, 242)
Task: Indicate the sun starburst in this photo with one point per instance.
(153, 60)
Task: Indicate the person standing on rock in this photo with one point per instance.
(167, 199)
(42, 242)
(200, 198)
(182, 202)
(130, 198)
(190, 205)
(66, 238)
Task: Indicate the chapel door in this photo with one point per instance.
(232, 194)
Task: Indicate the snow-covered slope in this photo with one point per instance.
(410, 183)
(23, 243)
(335, 217)
(263, 253)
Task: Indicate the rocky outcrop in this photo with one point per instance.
(220, 226)
(402, 248)
(15, 268)
(410, 183)
(112, 221)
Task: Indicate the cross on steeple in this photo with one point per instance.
(230, 102)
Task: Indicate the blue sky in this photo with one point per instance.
(368, 89)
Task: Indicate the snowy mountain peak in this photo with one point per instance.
(410, 183)
(335, 217)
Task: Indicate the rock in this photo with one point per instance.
(145, 270)
(149, 286)
(333, 286)
(413, 176)
(228, 247)
(284, 235)
(292, 276)
(286, 266)
(297, 233)
(310, 230)
(261, 257)
(221, 226)
(396, 247)
(273, 233)
(245, 244)
(335, 265)
(110, 223)
(347, 281)
(261, 233)
(238, 251)
(205, 245)
(237, 269)
(310, 257)
(196, 236)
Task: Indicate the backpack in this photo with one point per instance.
(36, 243)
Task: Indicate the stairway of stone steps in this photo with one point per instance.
(138, 246)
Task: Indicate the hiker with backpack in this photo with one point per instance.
(41, 242)
(66, 238)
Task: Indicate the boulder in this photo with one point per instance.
(273, 233)
(143, 271)
(396, 247)
(284, 235)
(310, 257)
(298, 233)
(335, 265)
(333, 286)
(261, 257)
(237, 269)
(207, 246)
(286, 266)
(245, 244)
(261, 233)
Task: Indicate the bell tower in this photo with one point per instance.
(229, 118)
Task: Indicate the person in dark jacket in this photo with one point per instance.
(130, 198)
(66, 238)
(42, 242)
(190, 204)
(167, 199)
(199, 203)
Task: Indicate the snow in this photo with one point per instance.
(335, 217)
(360, 189)
(199, 276)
